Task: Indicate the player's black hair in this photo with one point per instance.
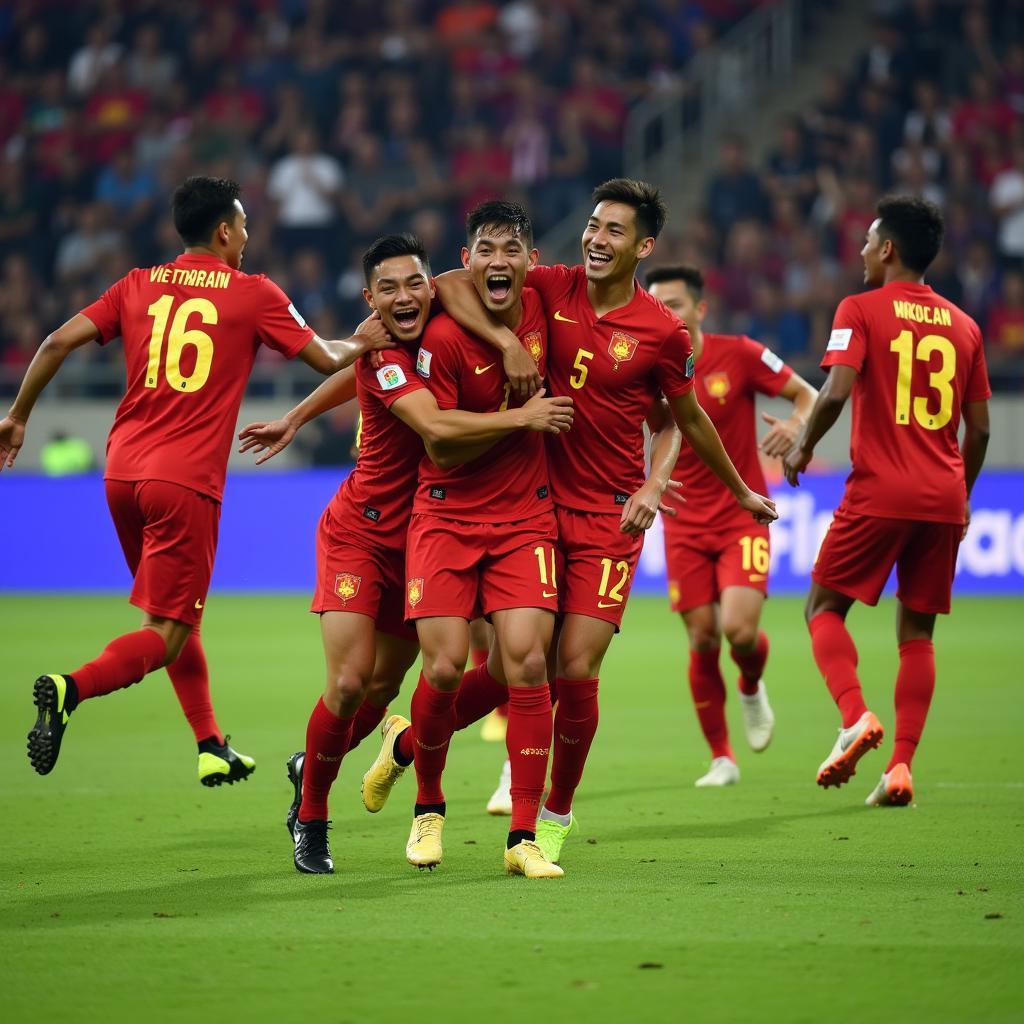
(645, 199)
(689, 275)
(200, 203)
(915, 228)
(499, 213)
(388, 247)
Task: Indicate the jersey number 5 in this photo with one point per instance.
(940, 380)
(179, 337)
(579, 378)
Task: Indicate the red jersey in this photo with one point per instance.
(191, 330)
(920, 358)
(510, 481)
(375, 501)
(731, 372)
(614, 367)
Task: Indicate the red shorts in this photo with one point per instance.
(168, 534)
(701, 564)
(858, 553)
(354, 576)
(463, 569)
(598, 564)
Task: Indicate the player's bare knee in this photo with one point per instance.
(382, 692)
(442, 673)
(742, 635)
(703, 639)
(579, 666)
(348, 688)
(533, 669)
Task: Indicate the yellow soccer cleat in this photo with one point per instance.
(382, 775)
(424, 848)
(219, 764)
(527, 859)
(494, 727)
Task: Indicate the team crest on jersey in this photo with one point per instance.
(391, 377)
(415, 591)
(534, 345)
(346, 585)
(423, 363)
(717, 385)
(621, 348)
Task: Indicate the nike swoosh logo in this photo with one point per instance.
(608, 604)
(552, 593)
(564, 319)
(199, 604)
(484, 369)
(757, 578)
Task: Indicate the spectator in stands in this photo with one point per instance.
(735, 192)
(1007, 199)
(92, 241)
(1004, 330)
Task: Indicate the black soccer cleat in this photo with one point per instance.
(295, 764)
(219, 764)
(50, 696)
(312, 850)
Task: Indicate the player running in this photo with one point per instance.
(616, 350)
(191, 330)
(361, 538)
(717, 560)
(915, 364)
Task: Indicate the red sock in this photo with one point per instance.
(915, 684)
(327, 739)
(708, 689)
(751, 665)
(433, 719)
(367, 719)
(479, 655)
(123, 661)
(191, 682)
(575, 725)
(528, 742)
(479, 694)
(836, 656)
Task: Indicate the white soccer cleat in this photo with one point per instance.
(758, 718)
(723, 772)
(851, 745)
(501, 800)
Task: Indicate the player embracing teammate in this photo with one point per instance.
(717, 560)
(915, 365)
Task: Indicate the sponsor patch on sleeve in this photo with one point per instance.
(689, 367)
(423, 363)
(840, 339)
(296, 315)
(771, 360)
(390, 377)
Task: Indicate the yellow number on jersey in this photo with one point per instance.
(939, 380)
(504, 401)
(755, 554)
(622, 568)
(543, 568)
(579, 378)
(178, 339)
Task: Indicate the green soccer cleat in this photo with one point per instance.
(219, 764)
(551, 836)
(49, 693)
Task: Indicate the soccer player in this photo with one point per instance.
(361, 538)
(915, 365)
(616, 350)
(191, 330)
(717, 559)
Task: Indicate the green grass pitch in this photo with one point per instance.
(128, 892)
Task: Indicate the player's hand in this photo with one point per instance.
(781, 437)
(548, 415)
(761, 508)
(12, 437)
(673, 493)
(521, 371)
(373, 334)
(967, 519)
(641, 509)
(795, 461)
(266, 439)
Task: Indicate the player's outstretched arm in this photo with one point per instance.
(973, 448)
(642, 506)
(829, 404)
(700, 432)
(331, 356)
(49, 358)
(267, 439)
(783, 433)
(453, 437)
(461, 302)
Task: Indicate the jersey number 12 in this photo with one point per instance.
(179, 337)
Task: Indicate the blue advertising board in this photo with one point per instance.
(58, 535)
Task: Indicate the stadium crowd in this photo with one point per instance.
(343, 121)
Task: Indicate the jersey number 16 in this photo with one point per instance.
(179, 337)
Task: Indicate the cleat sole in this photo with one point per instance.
(844, 767)
(42, 741)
